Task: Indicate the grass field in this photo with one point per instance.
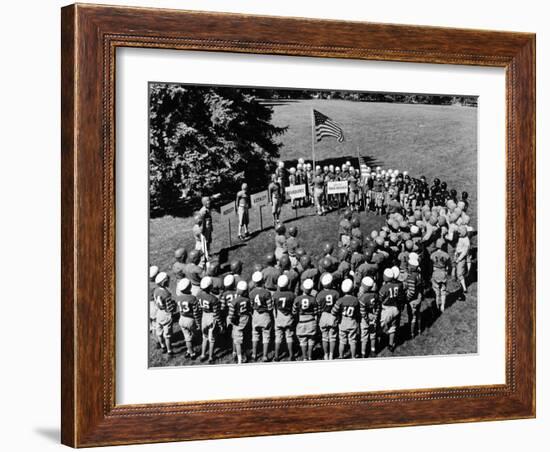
(425, 140)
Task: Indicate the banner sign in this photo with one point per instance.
(227, 210)
(296, 191)
(259, 199)
(335, 187)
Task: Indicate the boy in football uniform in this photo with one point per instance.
(179, 266)
(212, 270)
(357, 258)
(226, 297)
(275, 194)
(190, 314)
(344, 228)
(327, 323)
(391, 297)
(193, 271)
(369, 308)
(242, 202)
(309, 272)
(291, 274)
(413, 291)
(292, 245)
(210, 322)
(367, 269)
(283, 300)
(280, 241)
(441, 263)
(270, 273)
(166, 307)
(462, 252)
(153, 272)
(239, 312)
(346, 309)
(262, 317)
(306, 310)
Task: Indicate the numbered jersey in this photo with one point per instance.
(283, 301)
(239, 306)
(305, 305)
(164, 300)
(369, 304)
(208, 302)
(226, 299)
(188, 305)
(391, 294)
(347, 306)
(261, 300)
(326, 299)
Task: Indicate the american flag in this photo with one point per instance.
(326, 127)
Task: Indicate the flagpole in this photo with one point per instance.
(313, 139)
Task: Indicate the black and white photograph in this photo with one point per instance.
(299, 225)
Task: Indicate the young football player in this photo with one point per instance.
(179, 266)
(309, 272)
(240, 310)
(227, 296)
(275, 194)
(346, 309)
(270, 273)
(344, 228)
(262, 317)
(190, 314)
(292, 245)
(327, 323)
(391, 297)
(194, 272)
(353, 191)
(283, 300)
(242, 202)
(369, 308)
(153, 272)
(441, 263)
(306, 311)
(291, 274)
(280, 241)
(210, 322)
(166, 307)
(461, 256)
(413, 291)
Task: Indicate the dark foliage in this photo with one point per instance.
(205, 140)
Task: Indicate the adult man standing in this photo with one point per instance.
(242, 202)
(441, 264)
(319, 191)
(207, 227)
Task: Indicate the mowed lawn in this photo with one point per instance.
(425, 140)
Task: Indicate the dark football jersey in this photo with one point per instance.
(188, 306)
(238, 307)
(283, 301)
(356, 260)
(271, 274)
(347, 306)
(326, 299)
(305, 305)
(369, 304)
(261, 300)
(208, 302)
(163, 300)
(226, 298)
(391, 294)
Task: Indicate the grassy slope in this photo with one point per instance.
(430, 140)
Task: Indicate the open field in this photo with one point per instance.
(425, 140)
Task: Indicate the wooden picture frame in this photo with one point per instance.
(90, 36)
